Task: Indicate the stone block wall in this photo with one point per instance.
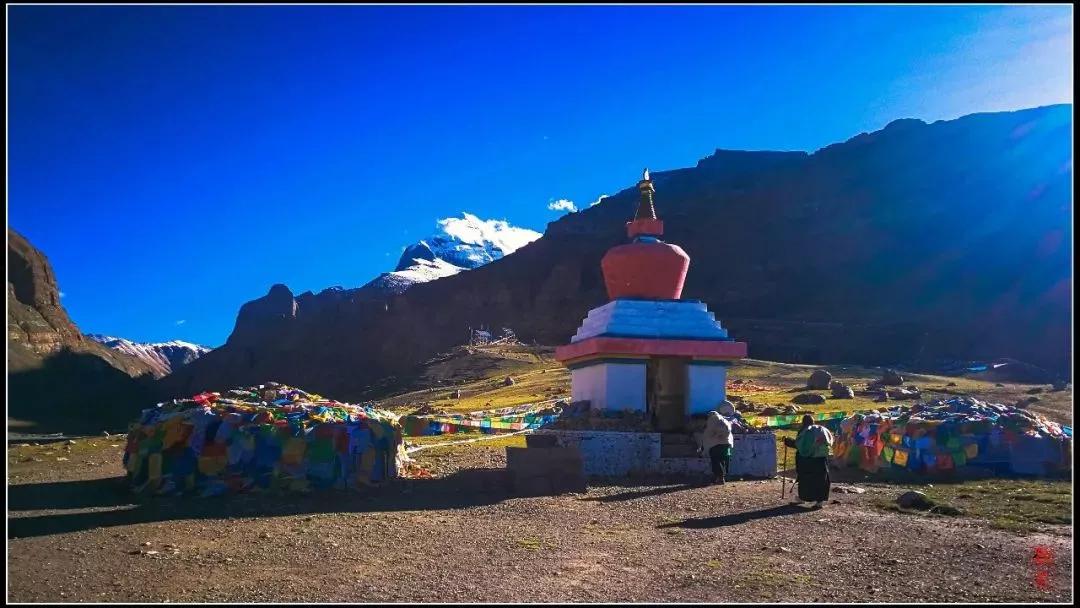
(612, 453)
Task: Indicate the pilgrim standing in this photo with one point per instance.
(813, 446)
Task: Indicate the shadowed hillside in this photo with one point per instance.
(57, 378)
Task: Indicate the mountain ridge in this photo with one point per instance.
(898, 245)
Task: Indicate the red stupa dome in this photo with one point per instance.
(646, 268)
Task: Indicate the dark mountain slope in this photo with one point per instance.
(909, 244)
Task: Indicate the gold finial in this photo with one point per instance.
(646, 210)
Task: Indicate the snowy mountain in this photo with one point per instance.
(461, 243)
(162, 357)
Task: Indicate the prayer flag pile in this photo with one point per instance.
(785, 420)
(941, 436)
(503, 420)
(269, 436)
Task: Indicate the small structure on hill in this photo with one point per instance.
(648, 350)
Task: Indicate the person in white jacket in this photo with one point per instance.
(716, 442)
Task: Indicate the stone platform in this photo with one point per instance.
(618, 454)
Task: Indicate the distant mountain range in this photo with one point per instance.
(161, 357)
(915, 243)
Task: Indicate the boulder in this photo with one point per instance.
(892, 378)
(769, 411)
(508, 381)
(841, 390)
(808, 398)
(1035, 391)
(819, 380)
(914, 499)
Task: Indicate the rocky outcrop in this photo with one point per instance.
(899, 241)
(819, 380)
(57, 378)
(808, 399)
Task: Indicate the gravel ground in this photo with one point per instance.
(462, 537)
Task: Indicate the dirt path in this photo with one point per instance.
(73, 537)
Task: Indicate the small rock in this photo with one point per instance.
(999, 384)
(71, 442)
(951, 384)
(1035, 391)
(508, 381)
(841, 390)
(894, 561)
(783, 550)
(914, 499)
(904, 393)
(456, 394)
(1059, 385)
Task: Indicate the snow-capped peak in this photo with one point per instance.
(460, 243)
(162, 357)
(496, 233)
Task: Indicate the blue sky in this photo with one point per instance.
(174, 162)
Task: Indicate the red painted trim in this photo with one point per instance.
(704, 349)
(645, 226)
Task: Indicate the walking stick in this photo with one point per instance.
(782, 478)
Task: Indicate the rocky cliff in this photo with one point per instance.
(916, 242)
(59, 379)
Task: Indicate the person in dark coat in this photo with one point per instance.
(813, 446)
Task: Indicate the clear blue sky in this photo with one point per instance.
(174, 162)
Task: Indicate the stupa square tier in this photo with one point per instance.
(639, 318)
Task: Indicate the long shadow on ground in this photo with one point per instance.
(736, 518)
(116, 506)
(649, 492)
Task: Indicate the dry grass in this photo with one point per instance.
(1018, 505)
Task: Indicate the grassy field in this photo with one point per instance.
(1011, 504)
(1018, 505)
